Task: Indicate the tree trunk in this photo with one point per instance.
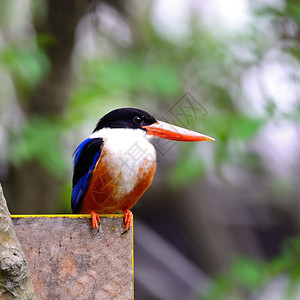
(47, 101)
(15, 280)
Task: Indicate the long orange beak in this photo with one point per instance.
(171, 132)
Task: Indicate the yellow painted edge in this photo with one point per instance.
(67, 216)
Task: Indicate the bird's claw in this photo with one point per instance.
(125, 231)
(95, 220)
(128, 218)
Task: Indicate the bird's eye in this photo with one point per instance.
(138, 120)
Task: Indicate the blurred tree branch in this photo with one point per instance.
(37, 187)
(51, 95)
(15, 280)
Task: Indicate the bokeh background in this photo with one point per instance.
(221, 220)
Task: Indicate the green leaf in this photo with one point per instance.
(220, 288)
(248, 273)
(27, 64)
(294, 10)
(186, 170)
(245, 128)
(39, 139)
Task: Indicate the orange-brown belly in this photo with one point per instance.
(106, 192)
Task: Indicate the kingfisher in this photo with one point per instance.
(115, 165)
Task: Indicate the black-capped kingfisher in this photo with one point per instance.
(115, 165)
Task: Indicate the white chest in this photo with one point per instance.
(127, 154)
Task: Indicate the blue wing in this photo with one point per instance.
(85, 159)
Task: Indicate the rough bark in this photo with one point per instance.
(15, 280)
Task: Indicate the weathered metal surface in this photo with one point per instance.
(70, 261)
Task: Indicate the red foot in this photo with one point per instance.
(95, 219)
(128, 218)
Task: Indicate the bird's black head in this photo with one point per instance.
(125, 118)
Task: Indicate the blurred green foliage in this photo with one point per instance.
(39, 139)
(127, 76)
(26, 63)
(248, 276)
(155, 74)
